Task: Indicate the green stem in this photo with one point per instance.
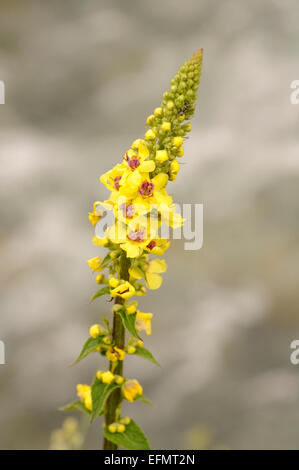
(118, 335)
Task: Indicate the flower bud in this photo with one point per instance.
(107, 377)
(119, 379)
(177, 141)
(121, 428)
(131, 309)
(174, 166)
(113, 282)
(112, 428)
(180, 151)
(170, 105)
(125, 420)
(150, 120)
(99, 278)
(150, 135)
(166, 126)
(161, 156)
(96, 330)
(158, 112)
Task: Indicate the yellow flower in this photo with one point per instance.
(161, 156)
(132, 389)
(84, 393)
(95, 263)
(152, 278)
(112, 179)
(124, 290)
(158, 111)
(136, 158)
(158, 246)
(177, 141)
(166, 126)
(143, 322)
(96, 215)
(115, 354)
(107, 377)
(131, 350)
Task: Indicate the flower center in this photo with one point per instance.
(116, 182)
(137, 235)
(128, 211)
(133, 161)
(146, 189)
(151, 245)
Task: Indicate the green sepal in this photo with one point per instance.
(76, 405)
(105, 290)
(144, 400)
(129, 321)
(105, 261)
(132, 438)
(146, 354)
(100, 392)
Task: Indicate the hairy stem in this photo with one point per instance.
(118, 335)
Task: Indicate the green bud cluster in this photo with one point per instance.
(169, 120)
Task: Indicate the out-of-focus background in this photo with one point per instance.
(81, 78)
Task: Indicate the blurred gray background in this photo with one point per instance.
(81, 78)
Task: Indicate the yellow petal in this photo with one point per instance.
(133, 251)
(147, 166)
(135, 273)
(160, 180)
(143, 150)
(157, 266)
(153, 281)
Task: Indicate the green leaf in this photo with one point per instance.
(146, 354)
(99, 393)
(132, 438)
(129, 322)
(105, 261)
(75, 405)
(99, 293)
(89, 347)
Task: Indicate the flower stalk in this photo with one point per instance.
(118, 335)
(140, 205)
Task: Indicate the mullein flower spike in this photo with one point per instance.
(140, 204)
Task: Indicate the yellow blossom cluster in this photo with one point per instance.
(140, 204)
